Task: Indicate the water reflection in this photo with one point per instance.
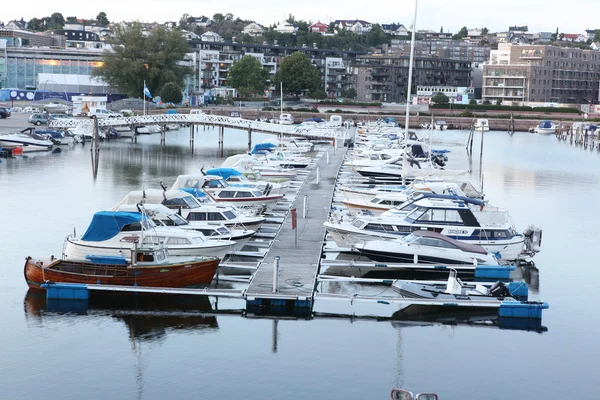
(148, 317)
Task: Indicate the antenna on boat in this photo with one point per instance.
(162, 185)
(408, 93)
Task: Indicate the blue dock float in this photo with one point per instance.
(66, 291)
(499, 272)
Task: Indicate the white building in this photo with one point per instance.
(211, 37)
(253, 29)
(286, 28)
(500, 56)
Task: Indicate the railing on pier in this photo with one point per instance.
(205, 119)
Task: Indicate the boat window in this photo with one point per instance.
(380, 228)
(191, 202)
(222, 231)
(175, 219)
(426, 216)
(374, 200)
(501, 234)
(407, 206)
(160, 255)
(215, 216)
(175, 202)
(227, 194)
(176, 240)
(410, 238)
(145, 257)
(206, 231)
(243, 194)
(358, 223)
(215, 184)
(234, 179)
(154, 239)
(256, 193)
(196, 216)
(453, 216)
(166, 222)
(136, 226)
(229, 214)
(415, 214)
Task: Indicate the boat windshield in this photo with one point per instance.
(410, 238)
(228, 214)
(412, 216)
(177, 220)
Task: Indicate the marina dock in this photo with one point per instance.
(298, 263)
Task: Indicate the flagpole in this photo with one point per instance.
(144, 97)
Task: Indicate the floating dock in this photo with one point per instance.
(291, 290)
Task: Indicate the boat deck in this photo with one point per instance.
(298, 264)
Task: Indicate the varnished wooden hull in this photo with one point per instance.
(191, 273)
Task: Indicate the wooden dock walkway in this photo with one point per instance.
(298, 265)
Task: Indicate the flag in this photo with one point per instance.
(146, 91)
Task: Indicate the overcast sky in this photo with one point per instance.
(540, 15)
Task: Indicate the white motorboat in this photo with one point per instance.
(59, 138)
(221, 192)
(481, 125)
(249, 166)
(57, 108)
(86, 131)
(172, 127)
(440, 125)
(286, 119)
(545, 127)
(426, 247)
(148, 129)
(393, 171)
(460, 218)
(109, 234)
(235, 178)
(124, 132)
(164, 216)
(191, 208)
(28, 141)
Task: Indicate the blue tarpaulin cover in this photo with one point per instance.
(261, 148)
(223, 172)
(106, 224)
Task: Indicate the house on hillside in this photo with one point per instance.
(543, 37)
(590, 34)
(187, 35)
(286, 28)
(358, 26)
(318, 27)
(202, 21)
(573, 37)
(253, 29)
(394, 29)
(595, 46)
(427, 34)
(17, 25)
(171, 24)
(211, 37)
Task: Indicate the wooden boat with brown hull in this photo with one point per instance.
(184, 273)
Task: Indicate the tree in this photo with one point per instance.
(331, 27)
(55, 21)
(36, 24)
(351, 93)
(597, 36)
(248, 76)
(376, 36)
(102, 19)
(317, 94)
(297, 74)
(440, 98)
(135, 58)
(171, 93)
(462, 33)
(218, 17)
(485, 31)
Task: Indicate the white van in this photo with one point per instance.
(101, 113)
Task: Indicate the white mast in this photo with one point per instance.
(410, 70)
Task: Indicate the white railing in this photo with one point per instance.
(231, 122)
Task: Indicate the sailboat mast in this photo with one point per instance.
(408, 93)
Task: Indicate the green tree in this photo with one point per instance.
(135, 58)
(297, 74)
(317, 94)
(597, 36)
(218, 17)
(171, 93)
(485, 31)
(440, 98)
(248, 76)
(36, 24)
(55, 21)
(102, 18)
(351, 93)
(462, 33)
(376, 36)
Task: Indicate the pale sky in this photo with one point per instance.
(540, 15)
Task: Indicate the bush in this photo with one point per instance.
(466, 113)
(171, 93)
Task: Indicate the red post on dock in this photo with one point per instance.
(294, 225)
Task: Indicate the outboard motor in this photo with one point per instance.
(438, 160)
(499, 289)
(533, 239)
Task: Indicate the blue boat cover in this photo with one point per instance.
(106, 224)
(314, 119)
(545, 124)
(262, 147)
(223, 172)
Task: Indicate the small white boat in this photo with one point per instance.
(172, 127)
(28, 141)
(482, 125)
(426, 247)
(148, 129)
(109, 233)
(286, 119)
(57, 108)
(124, 131)
(545, 127)
(440, 125)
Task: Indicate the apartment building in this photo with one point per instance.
(384, 77)
(542, 73)
(455, 49)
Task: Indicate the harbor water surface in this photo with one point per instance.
(142, 349)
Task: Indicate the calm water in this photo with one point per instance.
(184, 352)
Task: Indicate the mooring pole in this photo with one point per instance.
(318, 175)
(304, 206)
(221, 133)
(249, 138)
(276, 274)
(327, 155)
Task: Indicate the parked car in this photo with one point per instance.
(30, 109)
(38, 119)
(59, 116)
(15, 110)
(104, 114)
(4, 112)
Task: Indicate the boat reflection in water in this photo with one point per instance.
(147, 316)
(473, 318)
